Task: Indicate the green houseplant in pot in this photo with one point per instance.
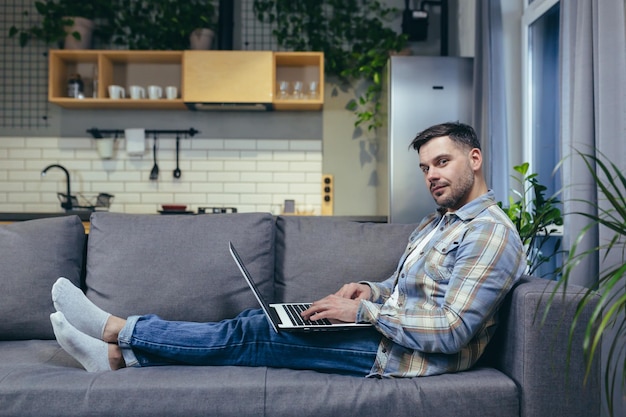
(608, 318)
(70, 23)
(536, 217)
(162, 24)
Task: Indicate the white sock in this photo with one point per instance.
(78, 309)
(92, 353)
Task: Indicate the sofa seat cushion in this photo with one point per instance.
(177, 266)
(316, 255)
(483, 392)
(38, 379)
(34, 254)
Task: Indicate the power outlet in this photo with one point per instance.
(328, 195)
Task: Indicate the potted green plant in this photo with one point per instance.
(163, 24)
(201, 17)
(70, 23)
(535, 216)
(607, 323)
(354, 37)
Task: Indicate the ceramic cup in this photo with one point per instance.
(154, 92)
(116, 92)
(171, 92)
(137, 92)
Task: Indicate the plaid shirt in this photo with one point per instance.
(446, 311)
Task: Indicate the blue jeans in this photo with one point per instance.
(246, 340)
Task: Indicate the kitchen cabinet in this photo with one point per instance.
(254, 77)
(214, 77)
(228, 76)
(99, 69)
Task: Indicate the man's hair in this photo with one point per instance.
(460, 133)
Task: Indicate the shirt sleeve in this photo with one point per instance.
(381, 291)
(442, 313)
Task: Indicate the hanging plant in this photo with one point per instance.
(353, 34)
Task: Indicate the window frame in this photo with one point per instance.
(533, 11)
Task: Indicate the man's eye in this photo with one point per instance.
(443, 162)
(424, 170)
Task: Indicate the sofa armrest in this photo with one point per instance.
(534, 354)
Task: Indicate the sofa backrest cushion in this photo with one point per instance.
(316, 255)
(177, 266)
(34, 254)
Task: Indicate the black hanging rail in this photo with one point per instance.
(99, 133)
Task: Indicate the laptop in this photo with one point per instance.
(286, 316)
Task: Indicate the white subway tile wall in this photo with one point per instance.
(250, 175)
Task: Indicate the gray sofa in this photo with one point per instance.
(179, 267)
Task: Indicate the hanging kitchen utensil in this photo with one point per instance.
(176, 172)
(154, 174)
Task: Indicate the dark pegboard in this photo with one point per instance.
(23, 71)
(255, 36)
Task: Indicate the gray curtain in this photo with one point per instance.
(593, 94)
(593, 98)
(489, 116)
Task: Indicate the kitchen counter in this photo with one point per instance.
(8, 218)
(20, 217)
(363, 219)
(85, 214)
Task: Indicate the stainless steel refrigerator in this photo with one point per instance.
(418, 92)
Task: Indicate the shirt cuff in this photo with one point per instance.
(368, 312)
(375, 291)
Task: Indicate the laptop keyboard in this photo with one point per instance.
(294, 311)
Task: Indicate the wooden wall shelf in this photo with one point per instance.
(124, 68)
(199, 76)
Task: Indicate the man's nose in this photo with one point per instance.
(432, 174)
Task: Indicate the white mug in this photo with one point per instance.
(171, 92)
(117, 92)
(137, 92)
(154, 92)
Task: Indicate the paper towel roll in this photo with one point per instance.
(135, 141)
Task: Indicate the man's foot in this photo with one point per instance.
(78, 309)
(92, 353)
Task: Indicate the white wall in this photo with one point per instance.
(252, 175)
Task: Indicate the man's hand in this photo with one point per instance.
(342, 306)
(355, 291)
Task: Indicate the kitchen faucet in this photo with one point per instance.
(67, 205)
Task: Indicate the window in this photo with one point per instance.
(540, 39)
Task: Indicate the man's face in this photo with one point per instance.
(449, 171)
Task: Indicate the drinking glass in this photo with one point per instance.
(298, 89)
(283, 90)
(313, 93)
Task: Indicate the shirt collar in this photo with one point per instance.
(474, 207)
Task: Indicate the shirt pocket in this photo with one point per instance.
(441, 259)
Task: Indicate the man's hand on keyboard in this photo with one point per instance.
(333, 307)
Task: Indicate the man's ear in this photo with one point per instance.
(476, 158)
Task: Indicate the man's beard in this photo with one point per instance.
(457, 192)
